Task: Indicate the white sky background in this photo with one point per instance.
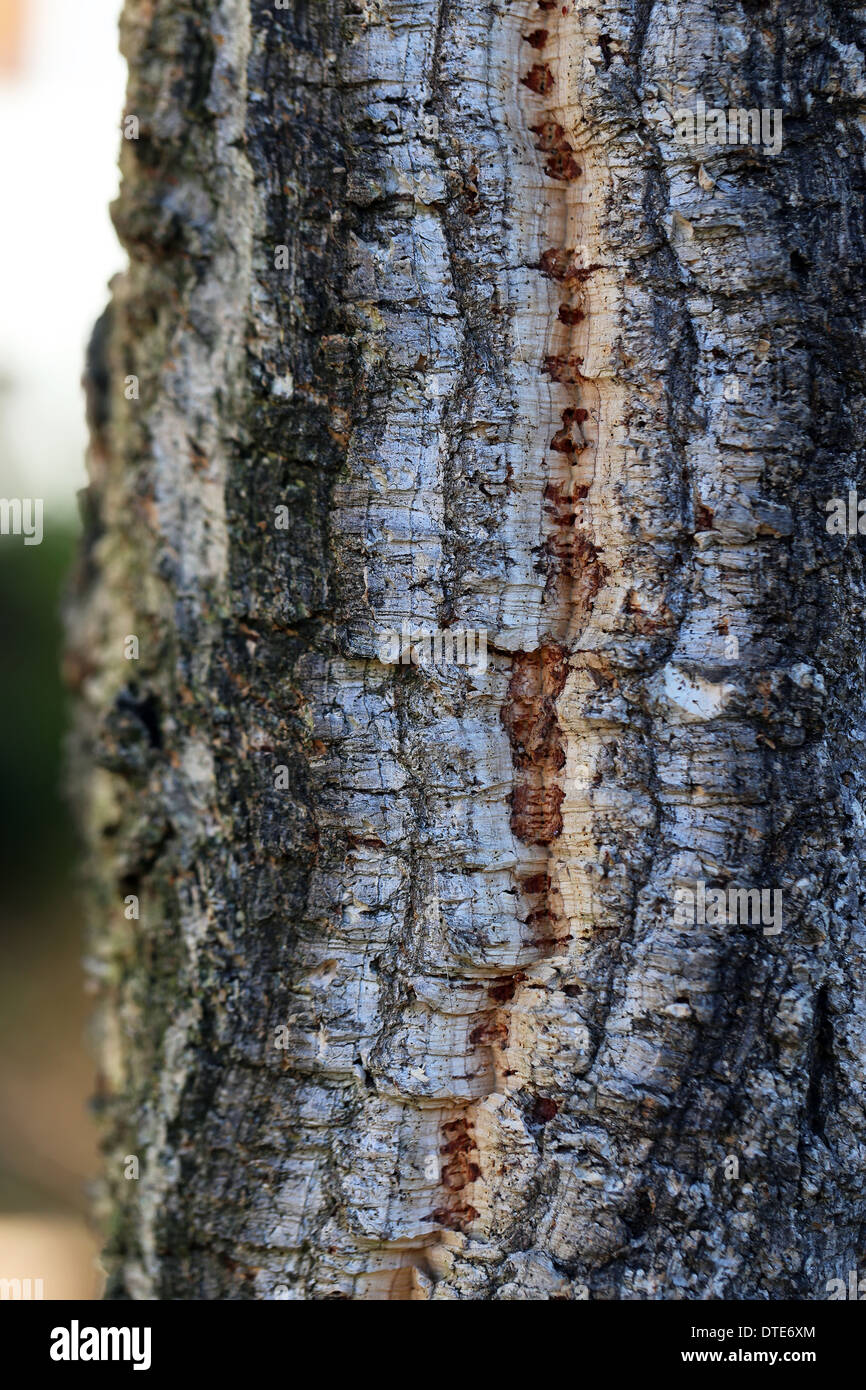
(59, 139)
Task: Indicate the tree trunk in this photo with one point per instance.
(433, 318)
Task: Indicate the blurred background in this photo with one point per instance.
(61, 96)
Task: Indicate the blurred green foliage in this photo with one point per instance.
(36, 840)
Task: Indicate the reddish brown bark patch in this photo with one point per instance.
(457, 1218)
(535, 883)
(536, 818)
(529, 713)
(552, 141)
(492, 1032)
(577, 557)
(564, 369)
(557, 263)
(539, 79)
(544, 1110)
(563, 166)
(459, 1170)
(503, 991)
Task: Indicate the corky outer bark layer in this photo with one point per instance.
(533, 367)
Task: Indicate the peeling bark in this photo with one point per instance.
(407, 1012)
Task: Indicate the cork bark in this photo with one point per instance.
(430, 318)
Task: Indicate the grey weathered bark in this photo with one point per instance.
(421, 1022)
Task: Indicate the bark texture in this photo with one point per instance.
(527, 365)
